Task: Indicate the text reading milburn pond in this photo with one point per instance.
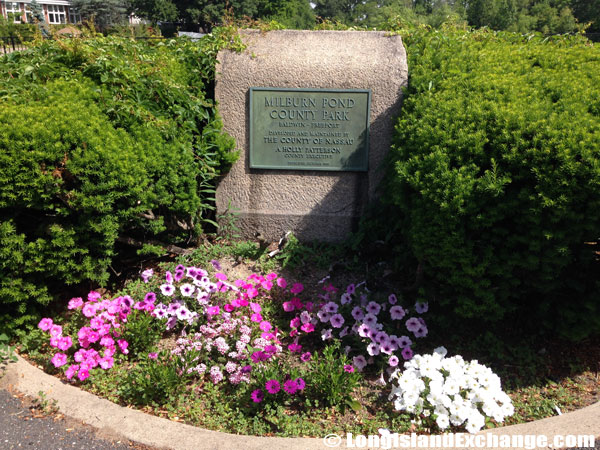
(318, 130)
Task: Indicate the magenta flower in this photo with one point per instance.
(397, 312)
(272, 386)
(265, 325)
(65, 343)
(59, 359)
(259, 356)
(123, 346)
(305, 357)
(348, 368)
(297, 288)
(308, 328)
(257, 396)
(152, 355)
(83, 374)
(75, 303)
(256, 317)
(55, 331)
(290, 386)
(94, 296)
(45, 324)
(295, 347)
(288, 306)
(281, 283)
(212, 310)
(106, 362)
(71, 371)
(300, 383)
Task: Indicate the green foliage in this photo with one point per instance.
(326, 380)
(151, 382)
(102, 138)
(497, 174)
(143, 333)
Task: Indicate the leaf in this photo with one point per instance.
(354, 404)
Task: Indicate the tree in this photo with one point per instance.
(587, 11)
(295, 14)
(340, 10)
(155, 10)
(103, 12)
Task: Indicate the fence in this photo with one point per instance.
(9, 44)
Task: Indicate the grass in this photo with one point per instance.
(542, 375)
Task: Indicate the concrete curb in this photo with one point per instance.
(157, 432)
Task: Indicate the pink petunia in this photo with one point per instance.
(256, 317)
(64, 343)
(255, 307)
(348, 368)
(94, 296)
(75, 303)
(83, 375)
(71, 371)
(265, 325)
(123, 346)
(281, 283)
(308, 328)
(59, 359)
(45, 324)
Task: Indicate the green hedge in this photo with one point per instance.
(496, 174)
(101, 138)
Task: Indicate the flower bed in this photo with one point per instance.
(272, 349)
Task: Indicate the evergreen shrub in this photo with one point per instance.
(101, 139)
(496, 174)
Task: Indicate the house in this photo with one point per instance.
(55, 11)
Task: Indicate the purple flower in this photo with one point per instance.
(146, 274)
(152, 355)
(215, 264)
(272, 386)
(330, 307)
(394, 341)
(259, 356)
(397, 312)
(348, 368)
(404, 341)
(413, 324)
(351, 288)
(360, 362)
(337, 320)
(290, 386)
(169, 277)
(305, 357)
(358, 313)
(373, 308)
(392, 299)
(246, 369)
(381, 337)
(370, 320)
(407, 353)
(421, 307)
(257, 396)
(373, 349)
(393, 361)
(346, 298)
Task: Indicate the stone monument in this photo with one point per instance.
(313, 114)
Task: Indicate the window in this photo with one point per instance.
(74, 16)
(15, 9)
(57, 14)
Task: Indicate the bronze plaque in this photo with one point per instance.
(309, 129)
